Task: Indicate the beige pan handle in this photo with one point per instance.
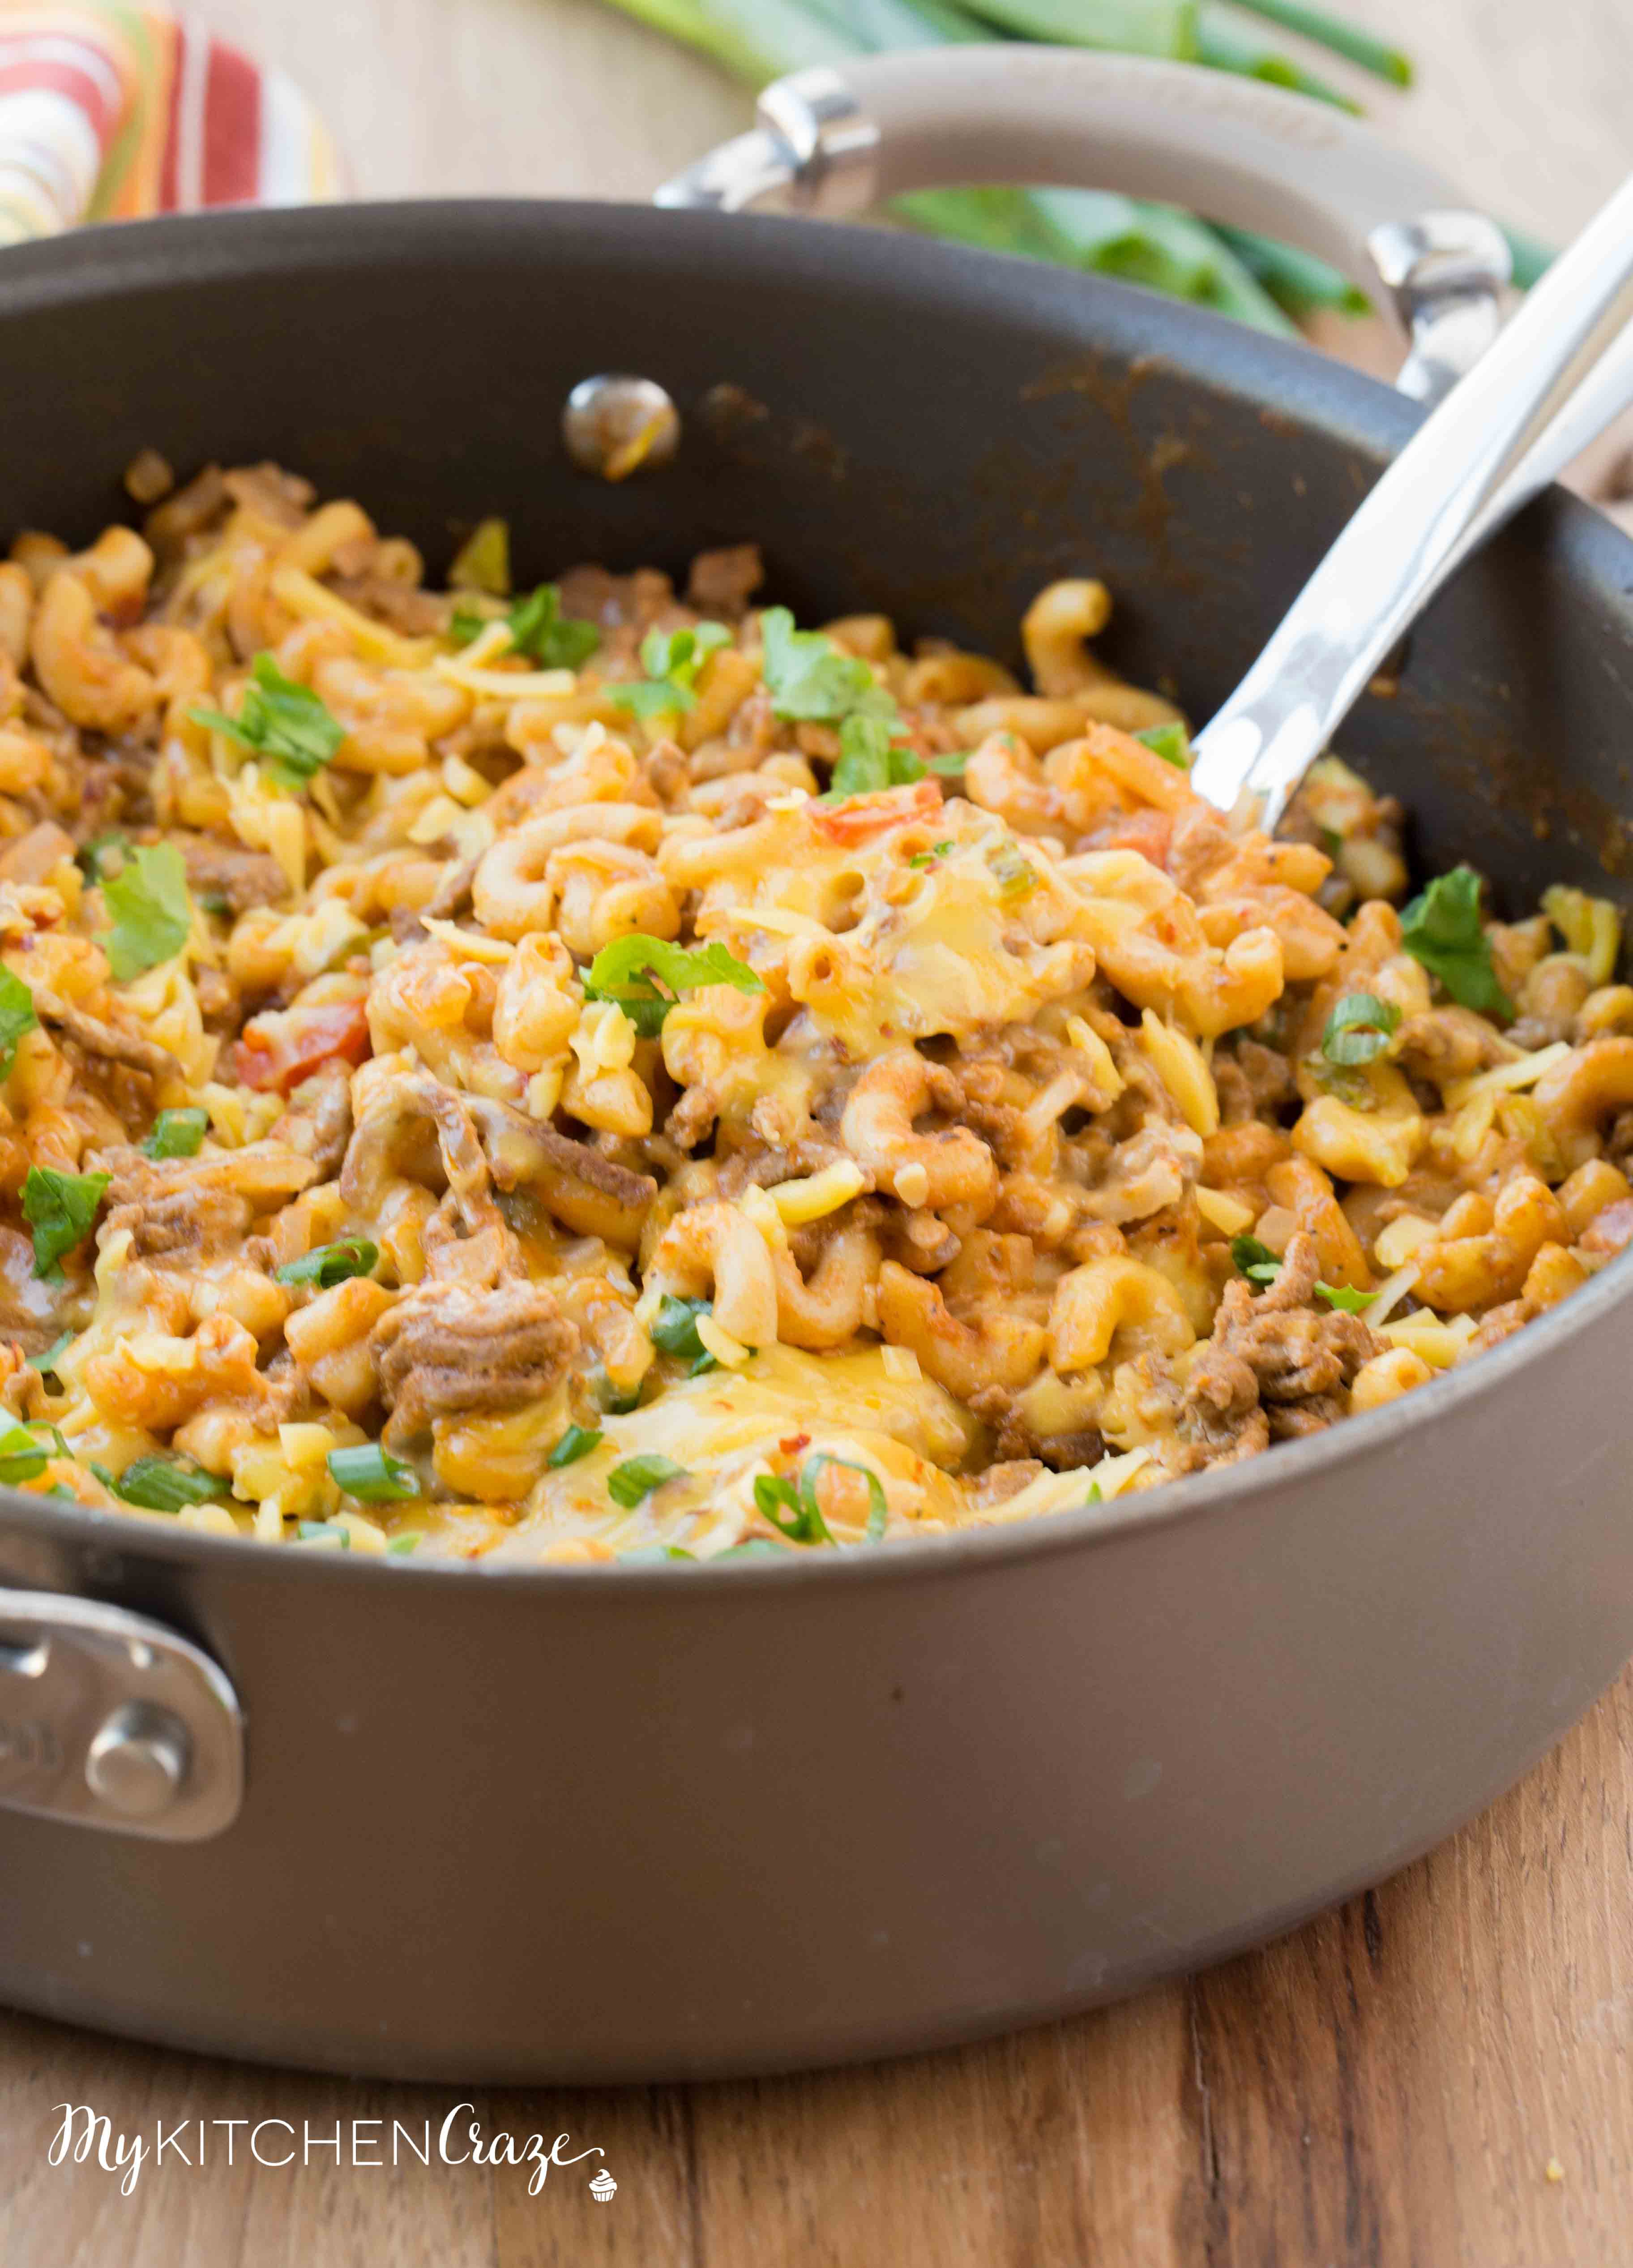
(833, 141)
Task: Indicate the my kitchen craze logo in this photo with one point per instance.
(84, 2136)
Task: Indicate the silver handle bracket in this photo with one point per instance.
(109, 1719)
(812, 152)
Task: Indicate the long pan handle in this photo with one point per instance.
(835, 139)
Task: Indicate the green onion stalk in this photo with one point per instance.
(1271, 285)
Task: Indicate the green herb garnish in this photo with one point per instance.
(868, 762)
(17, 1016)
(177, 1134)
(810, 680)
(372, 1475)
(1260, 1265)
(672, 660)
(1359, 1028)
(1341, 1295)
(59, 1209)
(575, 1443)
(401, 1546)
(632, 1482)
(483, 562)
(776, 1496)
(653, 1551)
(282, 723)
(1171, 742)
(331, 1263)
(324, 1531)
(163, 1484)
(675, 1330)
(928, 857)
(1442, 929)
(1254, 1260)
(538, 629)
(22, 1457)
(46, 1363)
(645, 976)
(91, 857)
(1013, 874)
(152, 912)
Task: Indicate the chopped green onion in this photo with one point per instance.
(1260, 1265)
(1014, 875)
(152, 913)
(653, 1551)
(22, 1458)
(675, 1331)
(401, 1546)
(1171, 742)
(177, 1134)
(1442, 929)
(46, 1363)
(1341, 1295)
(1254, 1260)
(59, 1209)
(483, 562)
(331, 1263)
(159, 1484)
(775, 1495)
(575, 1443)
(372, 1475)
(634, 1480)
(324, 1531)
(755, 1548)
(1359, 1028)
(928, 857)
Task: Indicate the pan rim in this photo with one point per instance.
(128, 260)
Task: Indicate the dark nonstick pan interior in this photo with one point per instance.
(926, 432)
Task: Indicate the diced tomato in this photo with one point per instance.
(1144, 831)
(860, 816)
(1610, 1230)
(279, 1049)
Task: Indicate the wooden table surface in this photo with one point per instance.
(1389, 2086)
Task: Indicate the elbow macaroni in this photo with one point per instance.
(907, 1174)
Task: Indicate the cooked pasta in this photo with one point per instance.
(563, 1074)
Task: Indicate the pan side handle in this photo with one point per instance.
(832, 141)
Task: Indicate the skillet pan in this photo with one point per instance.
(644, 1822)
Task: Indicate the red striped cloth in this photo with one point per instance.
(108, 112)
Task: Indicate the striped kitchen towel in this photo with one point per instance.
(109, 113)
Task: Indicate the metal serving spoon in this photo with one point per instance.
(1557, 375)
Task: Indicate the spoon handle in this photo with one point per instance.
(1555, 376)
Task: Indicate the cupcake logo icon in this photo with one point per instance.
(603, 2188)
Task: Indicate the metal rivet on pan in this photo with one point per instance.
(138, 1760)
(616, 424)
